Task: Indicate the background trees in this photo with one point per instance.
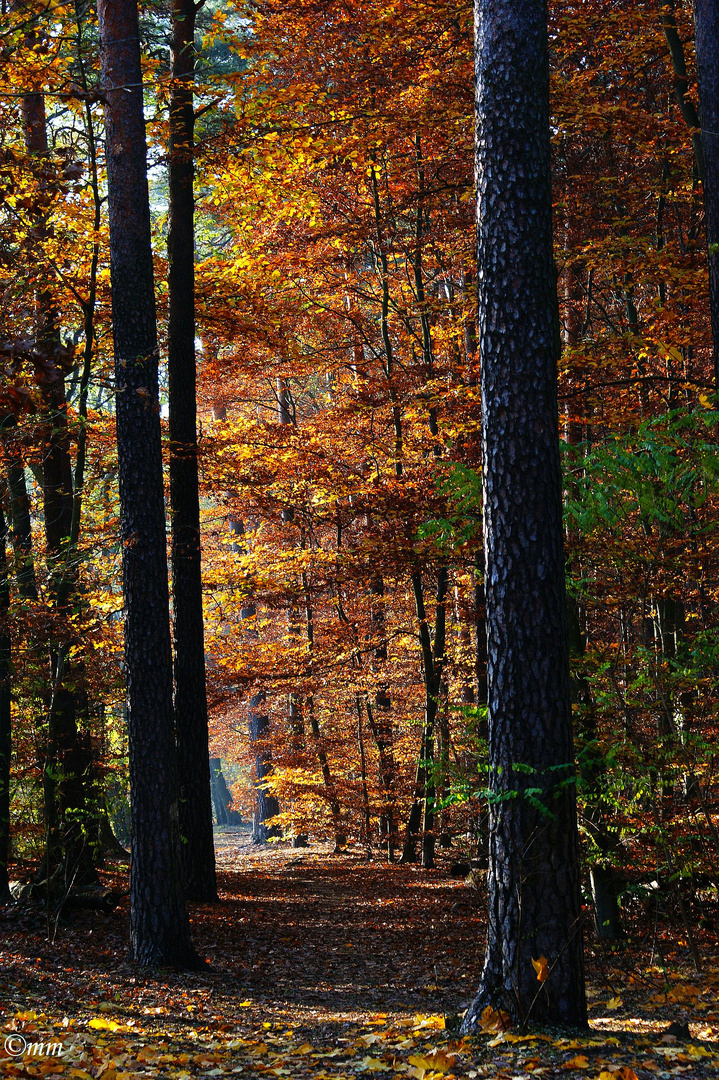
(339, 416)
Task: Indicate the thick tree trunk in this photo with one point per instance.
(534, 898)
(706, 30)
(159, 927)
(193, 757)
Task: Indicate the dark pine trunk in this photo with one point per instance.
(706, 30)
(159, 927)
(534, 898)
(198, 851)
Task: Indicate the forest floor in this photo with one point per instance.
(329, 967)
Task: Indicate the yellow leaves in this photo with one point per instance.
(614, 1003)
(493, 1019)
(436, 1022)
(100, 1024)
(578, 1062)
(541, 966)
(370, 1064)
(625, 1073)
(440, 1061)
(697, 1051)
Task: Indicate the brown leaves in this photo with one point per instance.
(314, 1010)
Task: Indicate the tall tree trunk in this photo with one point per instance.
(159, 927)
(330, 787)
(534, 897)
(366, 812)
(422, 811)
(193, 756)
(258, 723)
(286, 416)
(381, 722)
(68, 857)
(706, 31)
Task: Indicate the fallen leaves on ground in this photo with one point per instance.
(284, 997)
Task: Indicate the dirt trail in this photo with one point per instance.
(324, 962)
(307, 931)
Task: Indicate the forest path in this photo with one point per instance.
(306, 931)
(330, 967)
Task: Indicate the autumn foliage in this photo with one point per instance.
(340, 410)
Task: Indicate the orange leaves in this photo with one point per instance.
(541, 966)
(493, 1020)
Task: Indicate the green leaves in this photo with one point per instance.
(655, 477)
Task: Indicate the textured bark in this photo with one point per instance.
(198, 851)
(706, 29)
(159, 927)
(533, 882)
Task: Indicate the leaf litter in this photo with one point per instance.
(327, 968)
